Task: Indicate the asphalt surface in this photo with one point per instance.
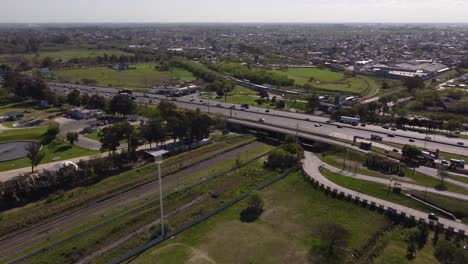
(12, 244)
(284, 118)
(311, 165)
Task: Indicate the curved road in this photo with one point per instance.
(311, 165)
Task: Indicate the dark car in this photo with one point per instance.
(363, 125)
(390, 135)
(267, 111)
(339, 126)
(411, 140)
(433, 217)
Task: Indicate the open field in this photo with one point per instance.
(243, 95)
(143, 76)
(327, 80)
(228, 186)
(396, 246)
(63, 55)
(285, 232)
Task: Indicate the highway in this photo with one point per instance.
(289, 119)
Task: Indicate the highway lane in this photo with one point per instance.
(290, 119)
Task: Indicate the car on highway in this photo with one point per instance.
(201, 101)
(329, 121)
(307, 119)
(390, 135)
(411, 140)
(395, 150)
(393, 129)
(246, 106)
(261, 120)
(386, 126)
(173, 99)
(219, 105)
(428, 138)
(191, 100)
(267, 111)
(460, 143)
(363, 124)
(233, 107)
(151, 101)
(317, 125)
(339, 126)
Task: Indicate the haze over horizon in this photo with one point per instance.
(261, 11)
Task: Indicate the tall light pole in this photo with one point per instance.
(158, 160)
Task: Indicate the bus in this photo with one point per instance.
(456, 163)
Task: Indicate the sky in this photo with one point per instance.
(270, 11)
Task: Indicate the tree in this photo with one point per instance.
(254, 207)
(447, 253)
(442, 173)
(110, 139)
(72, 137)
(97, 102)
(411, 151)
(413, 83)
(333, 245)
(154, 130)
(122, 104)
(73, 98)
(263, 94)
(52, 131)
(34, 155)
(313, 102)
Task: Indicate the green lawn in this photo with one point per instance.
(24, 134)
(64, 55)
(285, 232)
(142, 77)
(382, 191)
(327, 80)
(395, 250)
(55, 151)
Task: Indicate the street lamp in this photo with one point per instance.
(157, 154)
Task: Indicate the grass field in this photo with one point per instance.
(64, 55)
(395, 250)
(327, 80)
(285, 232)
(55, 151)
(142, 77)
(229, 185)
(243, 95)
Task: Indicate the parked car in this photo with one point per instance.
(393, 129)
(395, 150)
(363, 124)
